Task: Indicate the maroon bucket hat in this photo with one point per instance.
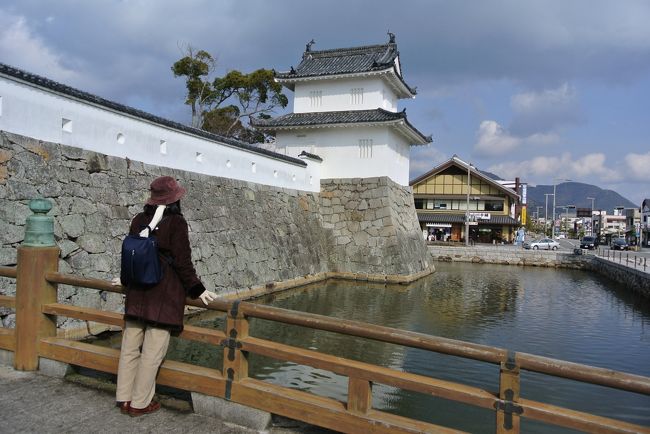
(165, 190)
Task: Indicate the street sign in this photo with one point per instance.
(472, 223)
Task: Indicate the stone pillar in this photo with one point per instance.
(37, 256)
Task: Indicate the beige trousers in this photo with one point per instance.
(143, 350)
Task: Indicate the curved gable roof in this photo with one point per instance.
(348, 61)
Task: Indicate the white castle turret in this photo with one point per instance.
(345, 111)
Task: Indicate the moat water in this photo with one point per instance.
(563, 314)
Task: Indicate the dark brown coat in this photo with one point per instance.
(163, 305)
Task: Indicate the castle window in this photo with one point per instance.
(316, 98)
(0, 105)
(163, 147)
(66, 125)
(365, 148)
(356, 96)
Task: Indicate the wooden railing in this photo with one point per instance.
(35, 318)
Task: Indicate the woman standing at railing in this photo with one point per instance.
(152, 313)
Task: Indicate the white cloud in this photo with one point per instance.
(638, 166)
(542, 167)
(534, 101)
(545, 111)
(425, 158)
(494, 140)
(28, 51)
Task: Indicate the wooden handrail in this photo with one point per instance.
(584, 373)
(361, 375)
(8, 271)
(529, 362)
(85, 282)
(370, 372)
(380, 333)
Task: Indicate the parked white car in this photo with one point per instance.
(544, 244)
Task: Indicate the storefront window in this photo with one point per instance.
(493, 205)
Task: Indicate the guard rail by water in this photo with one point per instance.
(35, 336)
(624, 258)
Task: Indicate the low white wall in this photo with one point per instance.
(45, 114)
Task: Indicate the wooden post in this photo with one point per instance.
(235, 361)
(37, 256)
(359, 395)
(507, 410)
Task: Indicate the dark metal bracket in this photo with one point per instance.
(234, 310)
(229, 380)
(510, 361)
(509, 408)
(232, 344)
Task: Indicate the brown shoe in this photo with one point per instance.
(152, 407)
(124, 406)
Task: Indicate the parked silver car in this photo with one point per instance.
(543, 243)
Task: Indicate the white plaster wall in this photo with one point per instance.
(37, 112)
(339, 148)
(336, 95)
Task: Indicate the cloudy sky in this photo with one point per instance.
(535, 89)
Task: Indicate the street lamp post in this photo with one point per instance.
(546, 210)
(566, 216)
(591, 216)
(554, 185)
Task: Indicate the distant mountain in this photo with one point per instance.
(576, 193)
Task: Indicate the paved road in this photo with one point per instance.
(34, 403)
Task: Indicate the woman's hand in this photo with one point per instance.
(207, 296)
(115, 281)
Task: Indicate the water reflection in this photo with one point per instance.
(564, 314)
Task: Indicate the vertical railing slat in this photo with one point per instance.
(508, 419)
(359, 395)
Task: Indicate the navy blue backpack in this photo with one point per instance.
(140, 261)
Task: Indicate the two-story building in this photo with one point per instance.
(442, 203)
(345, 111)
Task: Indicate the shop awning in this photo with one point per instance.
(494, 219)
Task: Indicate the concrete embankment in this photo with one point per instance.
(636, 280)
(509, 255)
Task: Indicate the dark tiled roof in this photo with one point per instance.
(335, 118)
(340, 61)
(495, 219)
(441, 218)
(94, 99)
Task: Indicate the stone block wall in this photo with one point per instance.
(374, 226)
(243, 234)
